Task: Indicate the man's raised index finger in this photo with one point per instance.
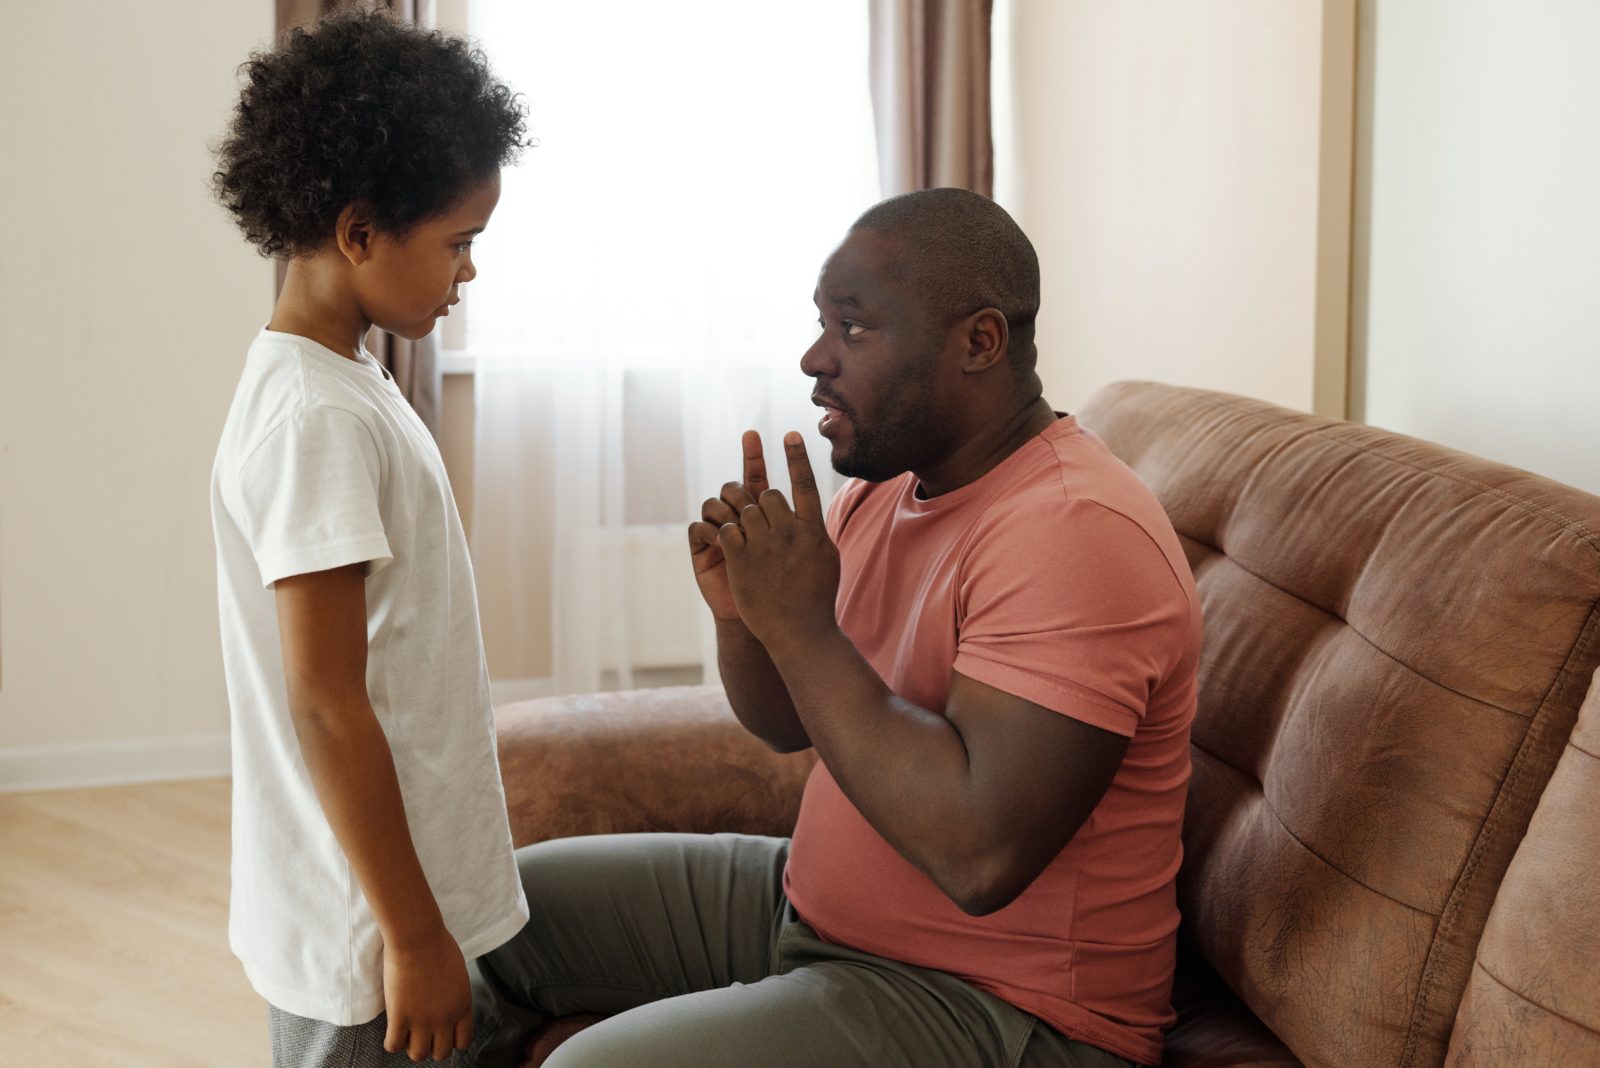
(807, 501)
(755, 464)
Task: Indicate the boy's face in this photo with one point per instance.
(408, 283)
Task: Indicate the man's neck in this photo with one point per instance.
(984, 451)
(316, 304)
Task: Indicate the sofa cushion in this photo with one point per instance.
(669, 759)
(1214, 1028)
(1397, 640)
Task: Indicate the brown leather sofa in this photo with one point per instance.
(1392, 845)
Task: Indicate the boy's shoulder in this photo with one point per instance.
(286, 376)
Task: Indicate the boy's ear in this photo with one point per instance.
(353, 232)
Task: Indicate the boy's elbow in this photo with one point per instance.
(325, 721)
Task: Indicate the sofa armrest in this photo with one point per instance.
(670, 759)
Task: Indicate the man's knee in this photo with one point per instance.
(613, 1043)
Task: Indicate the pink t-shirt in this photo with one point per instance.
(1058, 578)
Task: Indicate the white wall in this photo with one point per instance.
(1477, 283)
(129, 303)
(1167, 159)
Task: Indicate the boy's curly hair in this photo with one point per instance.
(361, 108)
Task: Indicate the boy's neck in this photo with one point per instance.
(316, 303)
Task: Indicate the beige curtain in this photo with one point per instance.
(930, 94)
(414, 364)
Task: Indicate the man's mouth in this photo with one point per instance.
(833, 413)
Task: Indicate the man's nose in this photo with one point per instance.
(817, 362)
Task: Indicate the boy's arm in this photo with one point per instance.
(322, 624)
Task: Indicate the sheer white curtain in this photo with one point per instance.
(644, 296)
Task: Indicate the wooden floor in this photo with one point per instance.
(113, 932)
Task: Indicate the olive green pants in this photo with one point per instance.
(690, 942)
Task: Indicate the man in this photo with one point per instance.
(991, 642)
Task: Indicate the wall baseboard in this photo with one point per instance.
(62, 767)
(207, 756)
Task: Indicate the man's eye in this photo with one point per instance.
(848, 328)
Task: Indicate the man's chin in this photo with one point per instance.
(845, 462)
(853, 465)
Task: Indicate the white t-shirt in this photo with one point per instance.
(323, 463)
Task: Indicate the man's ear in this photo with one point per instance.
(988, 334)
(353, 233)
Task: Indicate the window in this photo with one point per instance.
(644, 295)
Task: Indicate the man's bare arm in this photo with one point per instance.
(753, 686)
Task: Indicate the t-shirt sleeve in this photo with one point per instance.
(309, 496)
(1074, 607)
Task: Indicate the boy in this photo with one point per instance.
(371, 851)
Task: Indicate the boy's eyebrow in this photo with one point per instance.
(474, 232)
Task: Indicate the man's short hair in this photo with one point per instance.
(361, 108)
(963, 252)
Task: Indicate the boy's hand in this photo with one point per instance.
(428, 998)
(705, 547)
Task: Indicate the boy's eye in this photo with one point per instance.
(463, 248)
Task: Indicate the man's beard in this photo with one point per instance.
(891, 447)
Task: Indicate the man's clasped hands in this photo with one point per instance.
(760, 561)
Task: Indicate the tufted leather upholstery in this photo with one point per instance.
(670, 759)
(1534, 993)
(1398, 638)
(1397, 641)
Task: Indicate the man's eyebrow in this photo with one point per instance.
(844, 300)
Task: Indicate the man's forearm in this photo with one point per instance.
(352, 769)
(756, 690)
(904, 767)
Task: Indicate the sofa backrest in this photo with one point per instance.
(1534, 995)
(1397, 640)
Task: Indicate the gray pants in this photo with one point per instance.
(689, 941)
(301, 1043)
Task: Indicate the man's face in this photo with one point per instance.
(409, 282)
(877, 364)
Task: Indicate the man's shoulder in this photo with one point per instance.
(1078, 479)
(1082, 508)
